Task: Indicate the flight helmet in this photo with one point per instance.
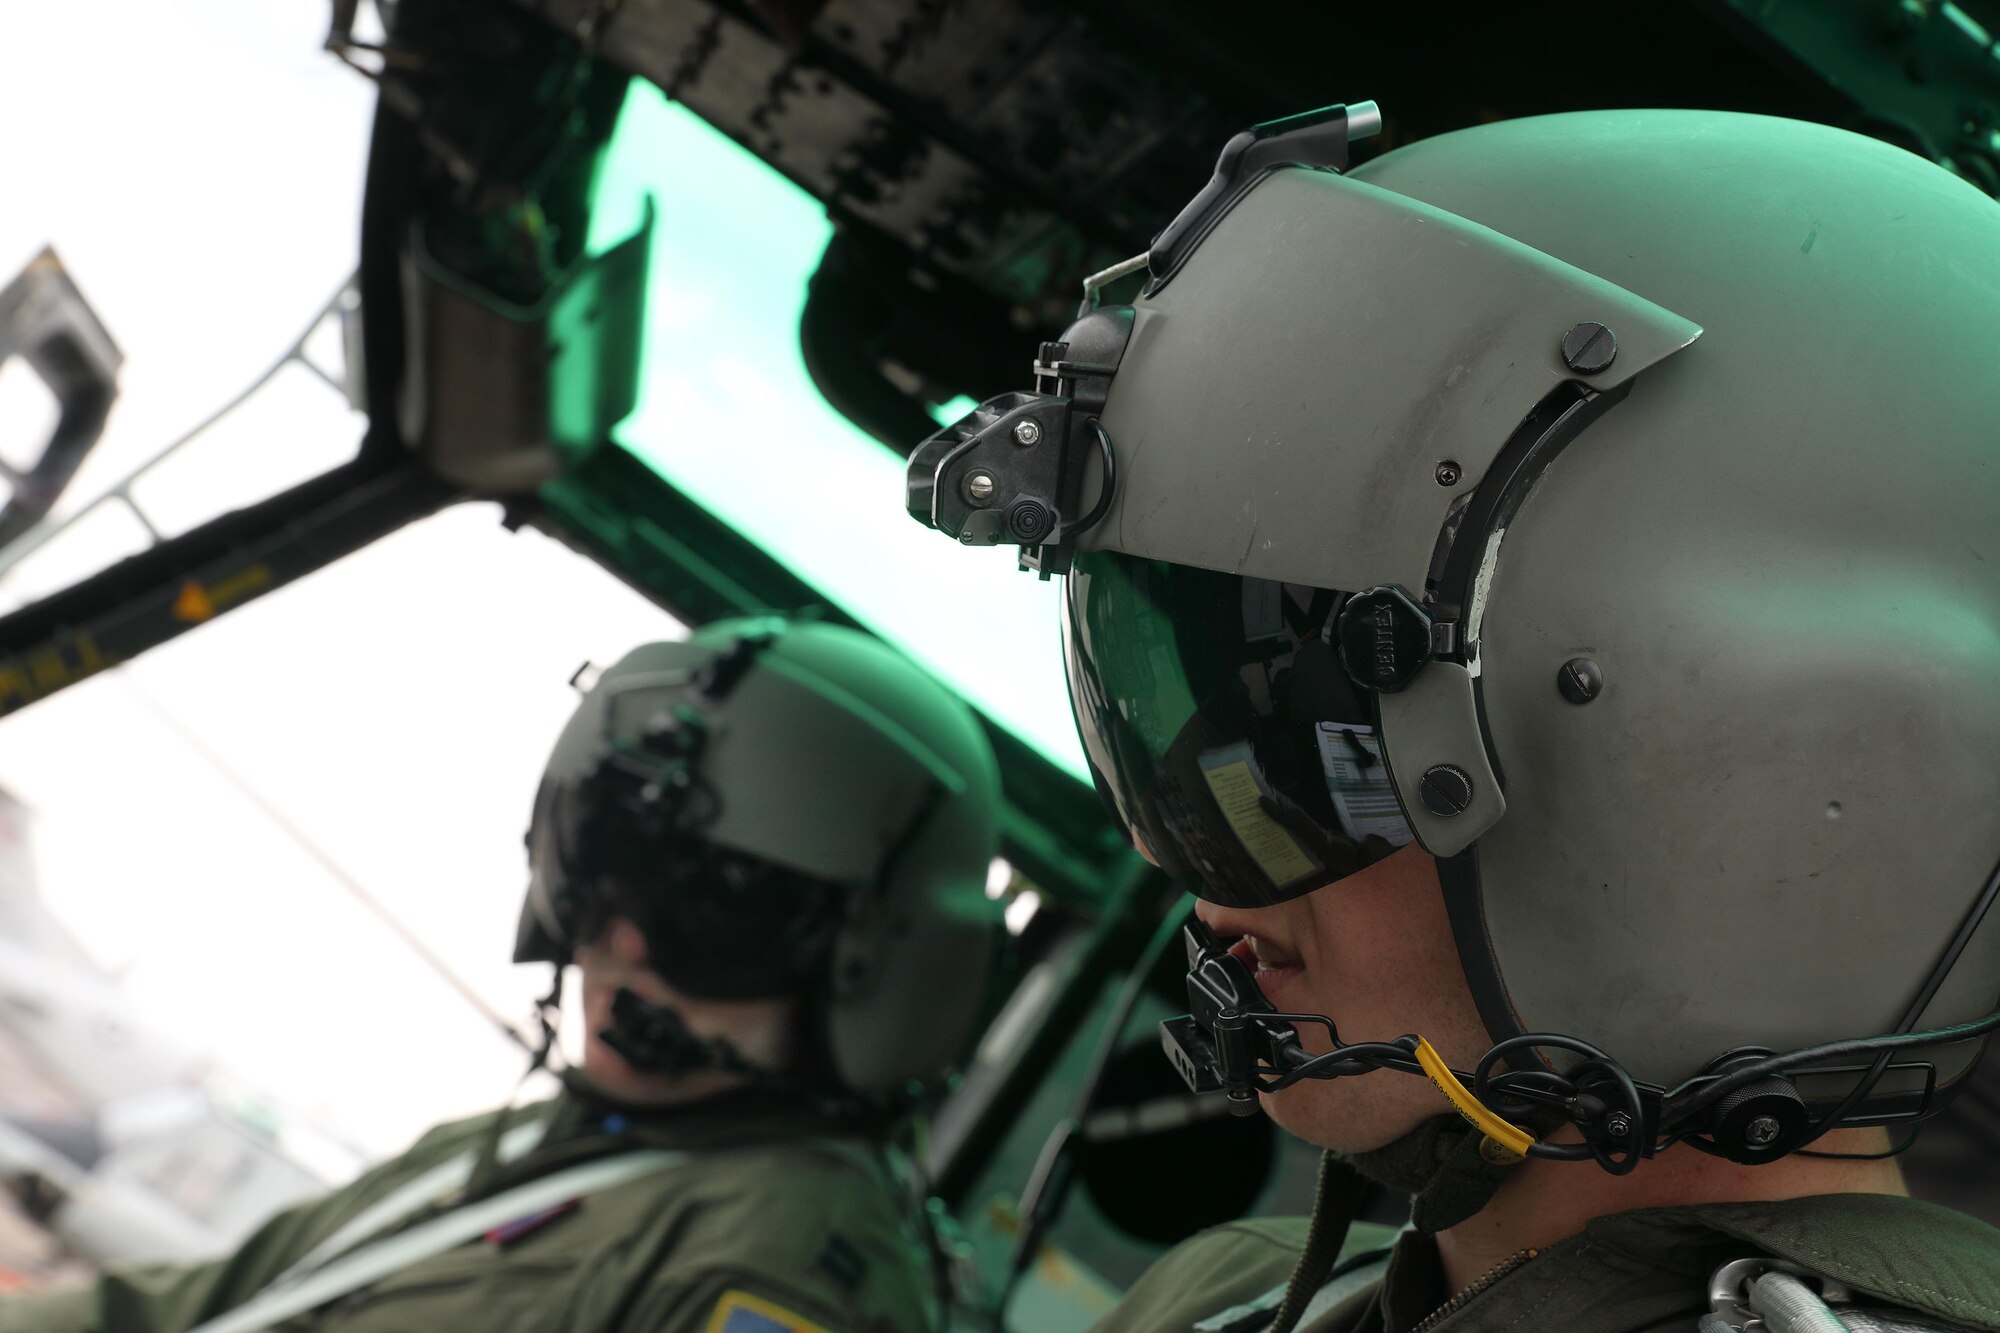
(783, 809)
(1605, 501)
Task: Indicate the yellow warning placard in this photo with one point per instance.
(1239, 797)
(196, 603)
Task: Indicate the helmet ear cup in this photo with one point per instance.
(909, 980)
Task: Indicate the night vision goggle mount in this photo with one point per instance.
(654, 780)
(1013, 469)
(641, 791)
(1018, 468)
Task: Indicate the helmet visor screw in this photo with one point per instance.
(1580, 680)
(1618, 1125)
(1588, 348)
(979, 487)
(1027, 433)
(1445, 789)
(1762, 1132)
(1448, 473)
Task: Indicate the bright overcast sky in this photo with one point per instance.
(201, 177)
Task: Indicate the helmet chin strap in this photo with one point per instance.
(655, 1039)
(548, 1012)
(1440, 1165)
(548, 1009)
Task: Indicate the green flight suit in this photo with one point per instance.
(766, 1219)
(1642, 1270)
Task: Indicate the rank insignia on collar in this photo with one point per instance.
(740, 1312)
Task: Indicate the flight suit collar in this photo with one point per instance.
(1649, 1267)
(729, 1119)
(1413, 1285)
(583, 1123)
(1902, 1251)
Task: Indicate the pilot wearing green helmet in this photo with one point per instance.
(1540, 590)
(764, 848)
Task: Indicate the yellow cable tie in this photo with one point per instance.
(1511, 1141)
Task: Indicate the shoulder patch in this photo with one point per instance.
(740, 1312)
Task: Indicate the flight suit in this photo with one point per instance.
(767, 1225)
(1641, 1270)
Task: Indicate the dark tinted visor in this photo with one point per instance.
(1222, 729)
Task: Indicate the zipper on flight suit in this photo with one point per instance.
(1459, 1301)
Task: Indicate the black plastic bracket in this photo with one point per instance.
(1014, 468)
(1226, 1041)
(1316, 139)
(45, 321)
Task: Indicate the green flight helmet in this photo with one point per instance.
(783, 808)
(1608, 501)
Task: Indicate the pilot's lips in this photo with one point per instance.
(1276, 967)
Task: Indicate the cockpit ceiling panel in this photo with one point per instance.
(1019, 145)
(954, 128)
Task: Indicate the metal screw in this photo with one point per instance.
(1445, 789)
(1618, 1125)
(1580, 680)
(979, 487)
(1027, 432)
(1448, 473)
(1589, 347)
(1762, 1132)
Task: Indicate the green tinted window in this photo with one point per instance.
(728, 414)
